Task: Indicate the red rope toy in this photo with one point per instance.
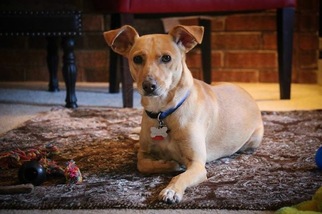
(16, 158)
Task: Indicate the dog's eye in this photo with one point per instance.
(138, 59)
(166, 58)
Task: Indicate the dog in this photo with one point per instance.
(185, 122)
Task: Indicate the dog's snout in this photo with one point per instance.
(149, 86)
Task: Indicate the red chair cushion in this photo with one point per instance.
(191, 6)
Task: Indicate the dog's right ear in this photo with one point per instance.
(122, 39)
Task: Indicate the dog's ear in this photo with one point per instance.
(187, 36)
(122, 39)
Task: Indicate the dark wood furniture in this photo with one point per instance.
(53, 25)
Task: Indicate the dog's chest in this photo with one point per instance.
(164, 149)
(161, 144)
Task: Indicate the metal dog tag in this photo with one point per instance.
(159, 133)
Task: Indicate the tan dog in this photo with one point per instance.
(186, 122)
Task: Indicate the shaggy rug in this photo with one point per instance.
(102, 143)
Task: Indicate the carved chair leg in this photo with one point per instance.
(52, 63)
(69, 71)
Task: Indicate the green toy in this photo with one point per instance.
(313, 206)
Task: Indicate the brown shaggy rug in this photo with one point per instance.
(102, 143)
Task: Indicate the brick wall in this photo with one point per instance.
(243, 48)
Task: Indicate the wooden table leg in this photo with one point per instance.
(69, 71)
(52, 63)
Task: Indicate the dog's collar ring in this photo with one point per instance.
(161, 123)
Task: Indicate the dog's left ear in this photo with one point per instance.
(187, 36)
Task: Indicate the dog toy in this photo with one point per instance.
(17, 157)
(313, 206)
(73, 174)
(318, 158)
(32, 172)
(32, 161)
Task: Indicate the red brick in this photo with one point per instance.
(36, 57)
(98, 74)
(308, 41)
(308, 60)
(11, 57)
(307, 22)
(218, 23)
(270, 76)
(196, 73)
(92, 58)
(269, 41)
(189, 21)
(12, 73)
(23, 57)
(217, 59)
(193, 59)
(93, 22)
(307, 76)
(39, 73)
(235, 76)
(251, 22)
(236, 41)
(8, 57)
(251, 59)
(95, 41)
(307, 5)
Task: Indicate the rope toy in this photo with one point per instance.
(72, 173)
(16, 158)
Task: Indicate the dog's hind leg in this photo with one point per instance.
(255, 140)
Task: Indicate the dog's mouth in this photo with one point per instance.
(150, 95)
(155, 93)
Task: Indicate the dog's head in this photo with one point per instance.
(156, 61)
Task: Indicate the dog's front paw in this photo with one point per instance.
(170, 196)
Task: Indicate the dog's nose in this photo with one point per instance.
(149, 86)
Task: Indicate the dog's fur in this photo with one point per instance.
(213, 122)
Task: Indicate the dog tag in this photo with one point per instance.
(159, 133)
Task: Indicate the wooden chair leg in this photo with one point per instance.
(206, 50)
(114, 76)
(69, 71)
(127, 81)
(52, 63)
(116, 61)
(285, 23)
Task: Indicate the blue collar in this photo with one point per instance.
(163, 114)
